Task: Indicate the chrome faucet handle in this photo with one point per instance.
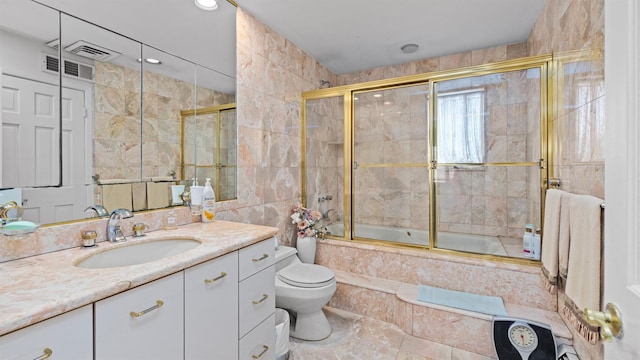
(186, 197)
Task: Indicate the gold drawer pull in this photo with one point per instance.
(211, 281)
(265, 348)
(47, 353)
(158, 304)
(264, 256)
(264, 297)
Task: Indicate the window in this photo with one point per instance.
(460, 127)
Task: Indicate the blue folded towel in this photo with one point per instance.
(491, 305)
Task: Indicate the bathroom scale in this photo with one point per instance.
(522, 339)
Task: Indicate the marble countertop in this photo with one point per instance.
(40, 287)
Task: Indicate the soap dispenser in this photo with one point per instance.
(196, 197)
(208, 202)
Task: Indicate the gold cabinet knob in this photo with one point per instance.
(609, 321)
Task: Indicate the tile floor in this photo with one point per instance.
(357, 337)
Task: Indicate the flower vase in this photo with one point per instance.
(306, 249)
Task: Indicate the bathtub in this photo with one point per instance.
(446, 240)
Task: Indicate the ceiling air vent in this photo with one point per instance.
(55, 44)
(91, 51)
(71, 69)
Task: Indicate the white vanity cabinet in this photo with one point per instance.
(66, 336)
(211, 309)
(146, 322)
(257, 301)
(221, 309)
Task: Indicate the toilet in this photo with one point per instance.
(303, 289)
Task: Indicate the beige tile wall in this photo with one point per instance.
(566, 25)
(272, 73)
(116, 142)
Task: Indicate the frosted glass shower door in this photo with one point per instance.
(390, 165)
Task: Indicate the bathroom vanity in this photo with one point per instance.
(216, 300)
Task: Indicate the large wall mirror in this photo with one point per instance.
(93, 117)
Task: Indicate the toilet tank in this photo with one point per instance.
(285, 256)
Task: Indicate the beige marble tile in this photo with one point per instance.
(425, 348)
(459, 354)
(359, 337)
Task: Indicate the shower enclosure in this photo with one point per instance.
(454, 160)
(209, 148)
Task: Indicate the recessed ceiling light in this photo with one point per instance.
(208, 5)
(151, 61)
(409, 48)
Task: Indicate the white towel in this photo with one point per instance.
(564, 237)
(583, 271)
(116, 196)
(117, 181)
(162, 178)
(139, 192)
(158, 195)
(551, 238)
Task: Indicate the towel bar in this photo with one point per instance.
(554, 182)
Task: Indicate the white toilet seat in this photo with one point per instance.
(306, 275)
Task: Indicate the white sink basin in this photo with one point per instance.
(138, 253)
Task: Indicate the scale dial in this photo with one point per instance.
(523, 337)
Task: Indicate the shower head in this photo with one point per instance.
(325, 82)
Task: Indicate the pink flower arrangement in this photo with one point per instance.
(306, 221)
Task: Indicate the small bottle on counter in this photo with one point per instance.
(208, 202)
(170, 220)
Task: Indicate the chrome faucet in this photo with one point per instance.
(100, 210)
(114, 232)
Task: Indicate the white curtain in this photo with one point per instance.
(460, 127)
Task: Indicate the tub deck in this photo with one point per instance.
(467, 330)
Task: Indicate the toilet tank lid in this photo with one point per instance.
(283, 252)
(306, 275)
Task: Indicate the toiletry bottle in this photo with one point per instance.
(170, 220)
(527, 241)
(196, 197)
(535, 245)
(208, 202)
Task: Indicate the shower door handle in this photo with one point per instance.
(355, 165)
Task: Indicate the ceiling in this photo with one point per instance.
(345, 36)
(354, 35)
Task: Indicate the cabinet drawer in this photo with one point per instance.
(211, 309)
(260, 342)
(68, 336)
(256, 257)
(155, 332)
(257, 299)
